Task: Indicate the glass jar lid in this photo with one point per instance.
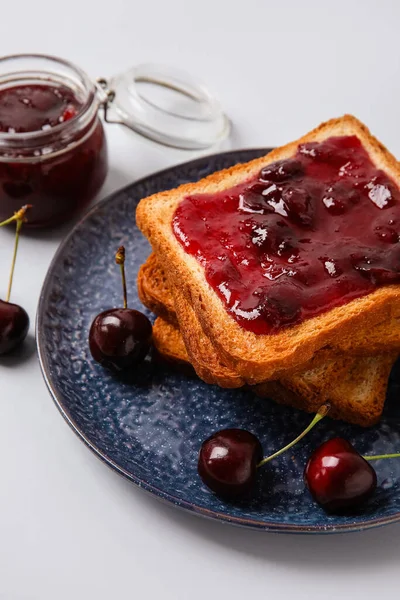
(165, 105)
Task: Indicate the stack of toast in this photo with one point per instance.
(343, 355)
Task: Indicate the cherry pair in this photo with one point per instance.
(14, 320)
(337, 476)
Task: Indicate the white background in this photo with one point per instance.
(69, 527)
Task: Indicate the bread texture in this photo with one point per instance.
(356, 396)
(153, 290)
(308, 382)
(155, 293)
(257, 358)
(356, 388)
(169, 346)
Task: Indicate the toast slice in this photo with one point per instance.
(356, 388)
(200, 352)
(170, 347)
(207, 362)
(262, 357)
(357, 396)
(154, 292)
(349, 383)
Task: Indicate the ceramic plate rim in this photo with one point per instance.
(141, 483)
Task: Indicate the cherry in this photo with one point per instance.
(280, 305)
(372, 265)
(228, 462)
(120, 338)
(338, 477)
(328, 152)
(273, 236)
(229, 459)
(340, 197)
(69, 112)
(254, 199)
(14, 326)
(14, 320)
(334, 205)
(282, 170)
(298, 203)
(224, 269)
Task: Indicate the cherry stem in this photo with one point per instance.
(20, 218)
(120, 260)
(379, 456)
(322, 412)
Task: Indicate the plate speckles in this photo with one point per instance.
(150, 428)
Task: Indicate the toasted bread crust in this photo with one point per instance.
(337, 382)
(153, 290)
(261, 357)
(156, 295)
(346, 402)
(208, 364)
(169, 346)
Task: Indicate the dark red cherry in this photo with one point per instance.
(298, 203)
(120, 338)
(280, 304)
(273, 236)
(381, 268)
(338, 477)
(228, 462)
(69, 112)
(328, 152)
(282, 170)
(14, 326)
(339, 197)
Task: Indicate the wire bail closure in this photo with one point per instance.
(107, 97)
(165, 105)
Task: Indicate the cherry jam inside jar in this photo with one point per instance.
(53, 150)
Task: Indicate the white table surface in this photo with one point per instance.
(69, 526)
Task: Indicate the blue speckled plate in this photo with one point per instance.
(150, 429)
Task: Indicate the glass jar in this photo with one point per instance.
(53, 150)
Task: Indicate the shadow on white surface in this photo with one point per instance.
(293, 549)
(20, 355)
(338, 552)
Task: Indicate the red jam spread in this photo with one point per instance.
(59, 175)
(307, 234)
(36, 107)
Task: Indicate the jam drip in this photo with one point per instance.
(308, 234)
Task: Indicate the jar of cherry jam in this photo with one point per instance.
(53, 150)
